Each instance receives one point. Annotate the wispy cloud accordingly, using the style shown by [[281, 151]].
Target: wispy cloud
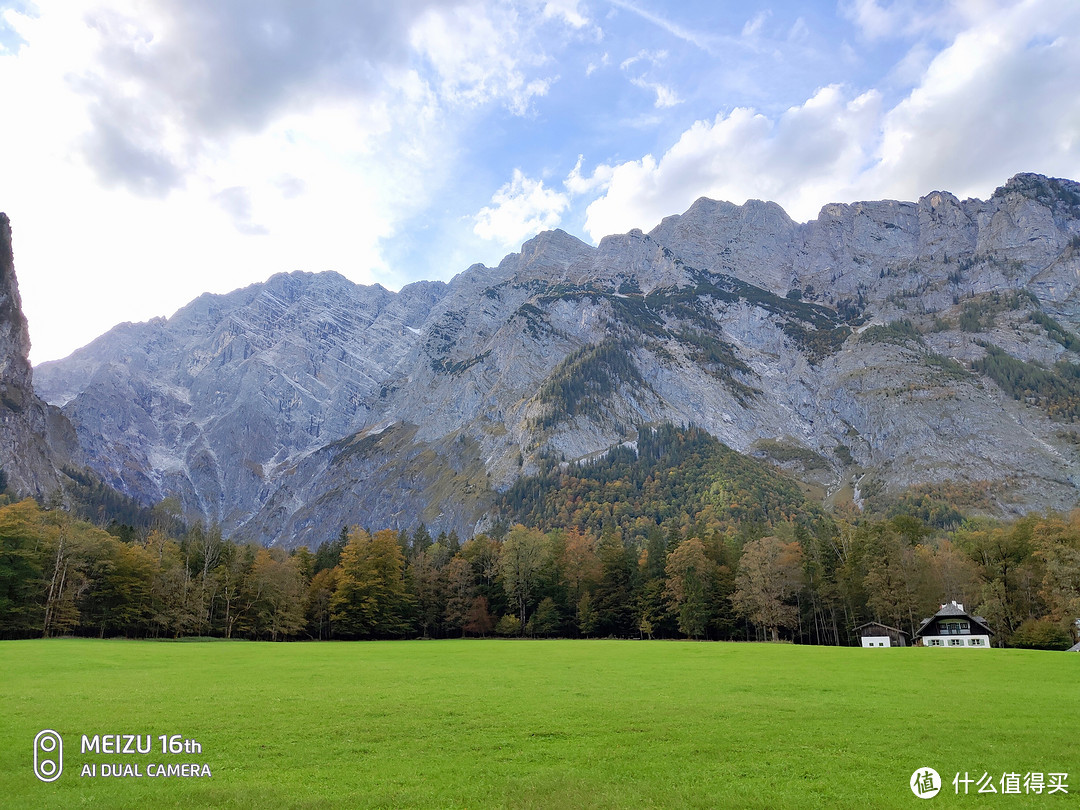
[[706, 43], [652, 57], [754, 25]]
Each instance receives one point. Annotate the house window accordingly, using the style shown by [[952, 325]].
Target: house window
[[976, 642], [934, 642], [956, 642]]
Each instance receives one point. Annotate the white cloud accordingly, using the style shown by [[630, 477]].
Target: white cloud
[[479, 57], [996, 101], [888, 19], [743, 155], [999, 100], [167, 83], [567, 10], [523, 94], [158, 202], [577, 184], [522, 208], [874, 21], [190, 146]]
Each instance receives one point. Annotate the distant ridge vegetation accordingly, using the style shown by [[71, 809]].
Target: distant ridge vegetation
[[1056, 390], [96, 502], [669, 476]]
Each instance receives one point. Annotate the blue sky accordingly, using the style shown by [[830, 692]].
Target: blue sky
[[152, 151]]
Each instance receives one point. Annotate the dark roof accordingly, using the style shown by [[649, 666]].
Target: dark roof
[[953, 611], [879, 624], [982, 623]]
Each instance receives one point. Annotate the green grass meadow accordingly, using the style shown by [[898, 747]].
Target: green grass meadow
[[544, 724]]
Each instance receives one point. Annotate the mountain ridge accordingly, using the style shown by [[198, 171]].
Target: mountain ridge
[[316, 402]]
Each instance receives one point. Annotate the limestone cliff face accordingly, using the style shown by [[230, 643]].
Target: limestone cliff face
[[15, 373], [34, 438], [210, 403], [843, 349]]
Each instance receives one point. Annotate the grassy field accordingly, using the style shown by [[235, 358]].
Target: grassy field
[[545, 724]]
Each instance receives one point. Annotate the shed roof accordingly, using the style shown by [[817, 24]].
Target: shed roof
[[879, 624]]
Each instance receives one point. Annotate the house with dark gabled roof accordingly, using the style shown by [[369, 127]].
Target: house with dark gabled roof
[[876, 634], [952, 626]]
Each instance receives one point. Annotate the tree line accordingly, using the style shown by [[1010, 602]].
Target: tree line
[[806, 583]]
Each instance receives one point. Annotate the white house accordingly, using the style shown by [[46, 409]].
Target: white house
[[952, 626]]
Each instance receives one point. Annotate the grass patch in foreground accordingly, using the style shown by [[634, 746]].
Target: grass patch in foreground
[[545, 724]]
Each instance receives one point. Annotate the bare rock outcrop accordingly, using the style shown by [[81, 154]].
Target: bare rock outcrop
[[35, 439]]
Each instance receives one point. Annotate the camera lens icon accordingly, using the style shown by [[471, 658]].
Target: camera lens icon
[[48, 755]]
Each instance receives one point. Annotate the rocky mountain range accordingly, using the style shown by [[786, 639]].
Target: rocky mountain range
[[882, 345]]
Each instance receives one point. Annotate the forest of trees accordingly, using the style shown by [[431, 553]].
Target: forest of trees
[[673, 535], [807, 583]]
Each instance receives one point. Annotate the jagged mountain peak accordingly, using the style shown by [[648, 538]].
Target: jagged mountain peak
[[548, 254], [939, 199], [617, 241], [753, 241], [1041, 188], [302, 282], [715, 213], [554, 240]]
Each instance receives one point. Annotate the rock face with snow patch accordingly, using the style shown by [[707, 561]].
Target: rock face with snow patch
[[846, 349]]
